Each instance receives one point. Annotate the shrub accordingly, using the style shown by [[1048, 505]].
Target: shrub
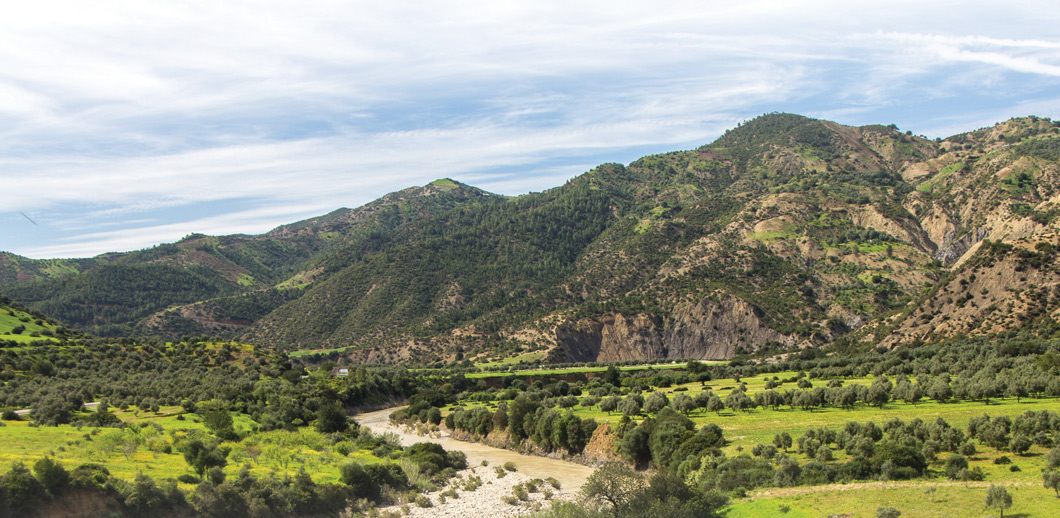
[[331, 418], [954, 464], [188, 478], [354, 475], [389, 474], [431, 457], [51, 475], [1020, 444], [95, 476], [887, 512], [510, 466], [143, 497], [472, 483], [457, 459]]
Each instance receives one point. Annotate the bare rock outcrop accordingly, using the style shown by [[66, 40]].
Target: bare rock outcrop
[[953, 248], [708, 329]]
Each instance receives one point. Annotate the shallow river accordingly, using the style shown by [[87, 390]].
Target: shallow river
[[570, 475]]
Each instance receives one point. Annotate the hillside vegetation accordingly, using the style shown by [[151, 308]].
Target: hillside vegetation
[[785, 233]]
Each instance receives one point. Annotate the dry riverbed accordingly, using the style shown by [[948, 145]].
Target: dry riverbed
[[570, 475], [486, 500]]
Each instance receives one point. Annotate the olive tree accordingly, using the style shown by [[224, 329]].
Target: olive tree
[[998, 498]]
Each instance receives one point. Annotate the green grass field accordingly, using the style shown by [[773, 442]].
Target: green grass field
[[580, 370], [143, 449], [307, 352], [11, 319], [948, 500], [743, 430]]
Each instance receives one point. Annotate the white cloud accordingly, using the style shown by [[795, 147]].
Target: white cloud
[[134, 106], [253, 221]]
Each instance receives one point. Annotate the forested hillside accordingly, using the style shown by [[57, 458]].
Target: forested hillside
[[786, 232], [207, 284]]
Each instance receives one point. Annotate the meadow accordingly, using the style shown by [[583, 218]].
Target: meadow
[[23, 328], [934, 495], [585, 369], [147, 445]]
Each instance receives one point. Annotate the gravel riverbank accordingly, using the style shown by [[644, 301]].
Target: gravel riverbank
[[487, 500]]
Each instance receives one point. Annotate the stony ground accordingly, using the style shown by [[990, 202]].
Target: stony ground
[[485, 501]]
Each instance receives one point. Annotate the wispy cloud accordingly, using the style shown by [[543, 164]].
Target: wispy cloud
[[1019, 55], [250, 221], [142, 110]]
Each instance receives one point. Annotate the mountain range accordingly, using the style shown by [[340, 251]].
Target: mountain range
[[786, 233]]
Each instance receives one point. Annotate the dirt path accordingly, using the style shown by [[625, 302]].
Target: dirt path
[[26, 411]]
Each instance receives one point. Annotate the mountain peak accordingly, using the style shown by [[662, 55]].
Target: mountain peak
[[445, 184], [764, 128]]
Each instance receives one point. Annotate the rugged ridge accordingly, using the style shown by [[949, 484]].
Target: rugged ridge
[[786, 232]]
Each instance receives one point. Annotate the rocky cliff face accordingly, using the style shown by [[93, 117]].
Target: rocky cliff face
[[706, 330], [710, 330], [611, 337], [954, 248]]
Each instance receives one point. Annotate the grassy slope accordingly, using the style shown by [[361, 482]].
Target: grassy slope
[[278, 452], [8, 322]]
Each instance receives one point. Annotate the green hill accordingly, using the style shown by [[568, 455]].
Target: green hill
[[786, 232], [19, 327], [209, 284]]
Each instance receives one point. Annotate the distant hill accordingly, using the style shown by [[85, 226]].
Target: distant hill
[[208, 284], [785, 232]]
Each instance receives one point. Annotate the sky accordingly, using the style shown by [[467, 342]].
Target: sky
[[126, 124]]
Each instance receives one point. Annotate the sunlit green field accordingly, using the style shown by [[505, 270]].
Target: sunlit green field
[[512, 360], [950, 499], [577, 370], [745, 429], [144, 449], [307, 352], [9, 322]]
